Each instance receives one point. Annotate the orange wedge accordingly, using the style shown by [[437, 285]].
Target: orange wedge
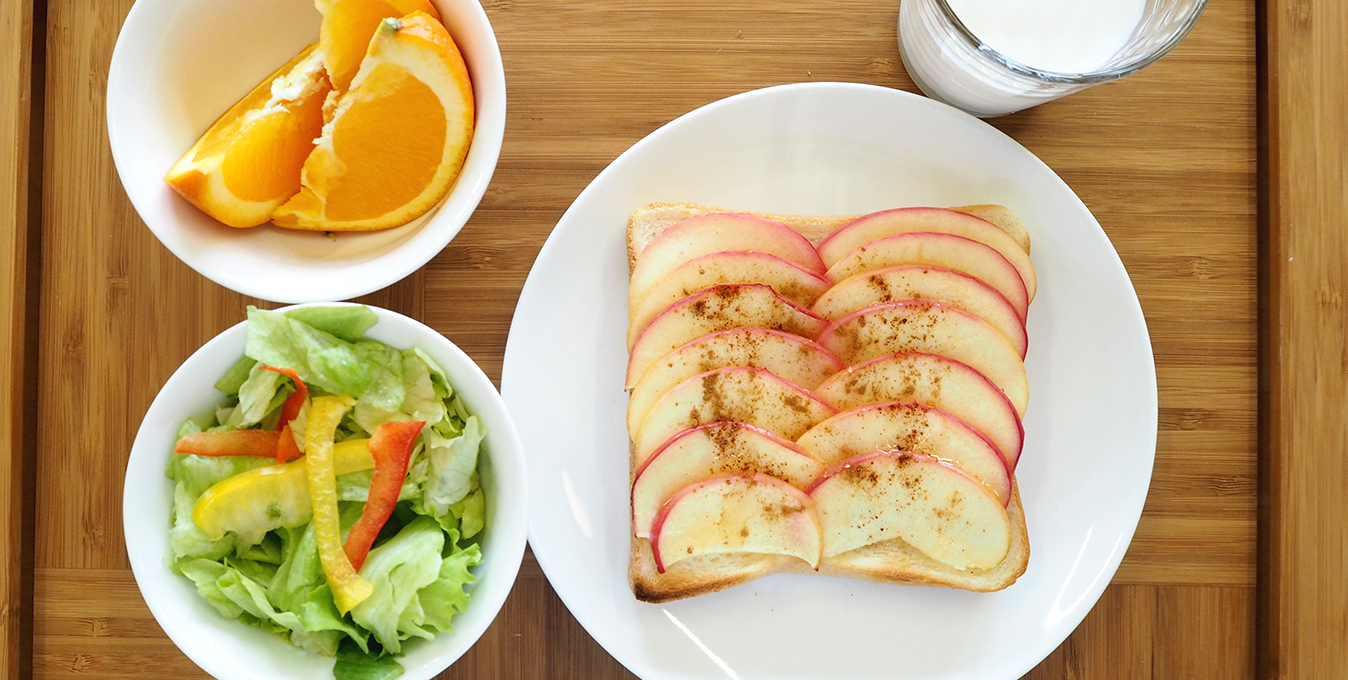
[[397, 138], [248, 163], [348, 26]]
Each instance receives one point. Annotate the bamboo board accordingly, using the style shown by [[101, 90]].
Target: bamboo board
[[1304, 386], [1166, 159], [16, 53]]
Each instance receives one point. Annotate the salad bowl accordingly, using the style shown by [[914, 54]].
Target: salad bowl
[[229, 649]]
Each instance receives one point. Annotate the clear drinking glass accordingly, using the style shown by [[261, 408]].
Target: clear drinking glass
[[951, 64]]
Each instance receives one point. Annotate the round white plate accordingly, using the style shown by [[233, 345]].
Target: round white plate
[[831, 148]]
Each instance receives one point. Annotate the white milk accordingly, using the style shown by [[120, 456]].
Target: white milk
[[1065, 36]]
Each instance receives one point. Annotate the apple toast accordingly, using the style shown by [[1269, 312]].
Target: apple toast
[[826, 394]]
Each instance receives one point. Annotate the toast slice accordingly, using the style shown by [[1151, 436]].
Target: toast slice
[[892, 561]]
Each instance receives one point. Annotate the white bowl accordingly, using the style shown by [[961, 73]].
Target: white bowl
[[179, 64], [231, 650]]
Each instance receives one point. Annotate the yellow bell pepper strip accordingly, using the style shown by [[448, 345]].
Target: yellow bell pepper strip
[[232, 443], [325, 413], [262, 499], [286, 448], [391, 448], [295, 401]]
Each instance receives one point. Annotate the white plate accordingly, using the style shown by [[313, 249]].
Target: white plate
[[832, 148], [179, 64]]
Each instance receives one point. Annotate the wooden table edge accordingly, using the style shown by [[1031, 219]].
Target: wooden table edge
[[20, 183], [1303, 511]]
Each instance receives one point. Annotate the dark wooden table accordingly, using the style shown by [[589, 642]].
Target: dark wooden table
[[1220, 175]]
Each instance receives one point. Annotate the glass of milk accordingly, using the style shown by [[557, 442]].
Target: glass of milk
[[993, 57]]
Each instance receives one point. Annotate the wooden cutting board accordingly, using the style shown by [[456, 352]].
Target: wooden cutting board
[[98, 314]]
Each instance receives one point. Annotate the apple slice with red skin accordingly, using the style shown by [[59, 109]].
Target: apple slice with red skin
[[929, 503], [878, 225], [936, 381], [715, 449], [791, 357], [718, 308], [734, 514], [715, 233], [917, 428], [938, 250], [931, 328], [788, 280], [917, 282], [746, 395]]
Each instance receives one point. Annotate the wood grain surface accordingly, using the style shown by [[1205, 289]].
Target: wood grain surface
[[16, 53], [1166, 160], [1304, 400]]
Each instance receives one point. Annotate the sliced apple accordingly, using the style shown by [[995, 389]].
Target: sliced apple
[[746, 395], [916, 428], [715, 449], [791, 357], [936, 381], [938, 250], [930, 328], [868, 228], [790, 281], [715, 233], [916, 282], [718, 308], [928, 503], [734, 514]]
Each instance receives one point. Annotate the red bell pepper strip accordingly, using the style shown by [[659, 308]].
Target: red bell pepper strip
[[232, 443], [295, 401], [391, 448], [286, 448]]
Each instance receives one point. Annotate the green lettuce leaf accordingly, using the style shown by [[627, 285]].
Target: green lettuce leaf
[[347, 322], [237, 373], [441, 600], [451, 465], [365, 369], [398, 569], [355, 664], [471, 511], [420, 401], [256, 396], [237, 596], [300, 586]]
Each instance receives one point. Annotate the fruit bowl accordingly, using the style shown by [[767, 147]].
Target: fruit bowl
[[179, 64], [232, 650]]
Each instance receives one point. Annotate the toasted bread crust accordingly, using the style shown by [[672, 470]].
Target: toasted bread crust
[[891, 562], [695, 576]]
